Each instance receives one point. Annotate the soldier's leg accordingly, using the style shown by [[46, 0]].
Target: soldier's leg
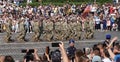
[[34, 36], [60, 35], [38, 36], [7, 38], [44, 35], [90, 36], [76, 35], [50, 35], [83, 34], [54, 35], [21, 37], [63, 35], [79, 35]]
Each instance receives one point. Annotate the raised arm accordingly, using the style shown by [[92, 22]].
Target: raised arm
[[63, 52]]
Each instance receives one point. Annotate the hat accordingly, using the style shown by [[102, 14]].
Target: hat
[[108, 36], [96, 59], [71, 41]]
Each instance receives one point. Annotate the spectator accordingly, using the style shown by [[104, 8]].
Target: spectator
[[96, 57], [106, 57], [8, 59], [108, 39], [2, 58], [114, 57], [31, 55]]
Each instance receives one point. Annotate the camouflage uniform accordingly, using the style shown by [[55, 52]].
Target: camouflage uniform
[[36, 29], [89, 33], [91, 29], [57, 31], [8, 26], [64, 30], [72, 30], [22, 31], [88, 30], [68, 36], [48, 33], [44, 29], [78, 30]]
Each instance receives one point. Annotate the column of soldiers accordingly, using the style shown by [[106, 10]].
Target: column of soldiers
[[56, 28]]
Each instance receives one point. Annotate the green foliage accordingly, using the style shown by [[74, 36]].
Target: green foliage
[[62, 2]]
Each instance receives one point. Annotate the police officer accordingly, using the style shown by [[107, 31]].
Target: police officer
[[71, 50]]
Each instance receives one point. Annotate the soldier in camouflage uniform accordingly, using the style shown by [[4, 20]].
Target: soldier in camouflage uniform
[[89, 31], [57, 30], [68, 36], [72, 30], [22, 31], [83, 32], [78, 30], [64, 30], [36, 30], [48, 30], [8, 26]]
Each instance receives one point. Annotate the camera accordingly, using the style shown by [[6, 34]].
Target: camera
[[55, 44], [25, 51]]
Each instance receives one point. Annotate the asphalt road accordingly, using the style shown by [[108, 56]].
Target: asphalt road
[[14, 48], [97, 36]]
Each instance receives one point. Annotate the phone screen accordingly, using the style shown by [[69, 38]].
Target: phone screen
[[24, 50], [55, 44], [31, 50]]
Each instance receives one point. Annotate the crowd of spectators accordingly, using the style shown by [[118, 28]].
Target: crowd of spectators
[[105, 17], [106, 51], [102, 17]]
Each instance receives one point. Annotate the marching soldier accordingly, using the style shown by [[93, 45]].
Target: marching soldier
[[91, 28], [71, 28], [64, 30], [44, 29], [8, 26], [57, 32], [78, 30], [48, 27], [89, 33], [36, 30], [88, 30], [22, 31], [68, 30]]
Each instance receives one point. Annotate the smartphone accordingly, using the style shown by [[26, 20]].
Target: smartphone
[[31, 50], [24, 50], [55, 44], [47, 50]]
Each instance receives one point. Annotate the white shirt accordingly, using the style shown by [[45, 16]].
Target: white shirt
[[106, 60]]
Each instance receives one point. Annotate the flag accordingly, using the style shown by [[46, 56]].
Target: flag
[[86, 10]]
